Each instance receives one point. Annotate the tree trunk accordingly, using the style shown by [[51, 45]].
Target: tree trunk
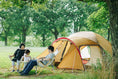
[[31, 2], [5, 39], [43, 35], [79, 28], [113, 10], [108, 38], [75, 28], [24, 37], [20, 38], [5, 33], [56, 35]]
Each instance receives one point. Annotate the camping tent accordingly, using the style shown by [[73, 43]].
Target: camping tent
[[69, 56], [91, 55]]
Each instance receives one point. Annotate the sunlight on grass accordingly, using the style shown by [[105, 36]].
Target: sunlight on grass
[[104, 71], [11, 74], [7, 74], [65, 76], [5, 51]]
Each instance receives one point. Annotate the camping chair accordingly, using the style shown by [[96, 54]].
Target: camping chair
[[50, 63], [10, 60], [11, 66]]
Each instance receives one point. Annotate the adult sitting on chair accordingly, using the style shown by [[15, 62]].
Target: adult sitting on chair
[[40, 61]]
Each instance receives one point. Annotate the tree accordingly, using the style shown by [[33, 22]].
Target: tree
[[5, 16], [22, 22], [40, 27], [57, 22], [98, 21], [78, 13], [112, 8]]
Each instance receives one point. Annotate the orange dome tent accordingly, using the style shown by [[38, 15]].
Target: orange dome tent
[[69, 56]]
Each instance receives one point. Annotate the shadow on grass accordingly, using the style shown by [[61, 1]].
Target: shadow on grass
[[7, 74], [1, 73], [58, 74], [31, 73], [42, 72]]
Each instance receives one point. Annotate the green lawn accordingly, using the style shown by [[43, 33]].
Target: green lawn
[[5, 51], [5, 65]]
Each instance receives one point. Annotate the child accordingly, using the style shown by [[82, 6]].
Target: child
[[33, 63], [27, 57]]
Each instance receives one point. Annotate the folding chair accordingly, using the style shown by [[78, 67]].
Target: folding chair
[[50, 63], [11, 66]]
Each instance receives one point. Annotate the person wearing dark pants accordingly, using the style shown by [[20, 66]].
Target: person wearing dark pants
[[29, 67], [40, 61]]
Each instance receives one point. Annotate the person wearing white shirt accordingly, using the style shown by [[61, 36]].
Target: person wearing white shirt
[[26, 57], [44, 60]]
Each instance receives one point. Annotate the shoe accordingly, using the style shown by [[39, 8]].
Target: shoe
[[22, 74], [20, 71], [17, 70], [13, 70]]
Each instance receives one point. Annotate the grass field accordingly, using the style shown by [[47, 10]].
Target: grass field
[[5, 65], [6, 51]]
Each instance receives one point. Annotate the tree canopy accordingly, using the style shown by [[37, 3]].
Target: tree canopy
[[48, 20]]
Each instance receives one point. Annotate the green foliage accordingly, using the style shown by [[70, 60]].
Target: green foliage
[[98, 21], [77, 14], [50, 20], [40, 28], [16, 21], [97, 1], [40, 1], [6, 27], [43, 21], [5, 4], [21, 22], [59, 14], [98, 65]]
